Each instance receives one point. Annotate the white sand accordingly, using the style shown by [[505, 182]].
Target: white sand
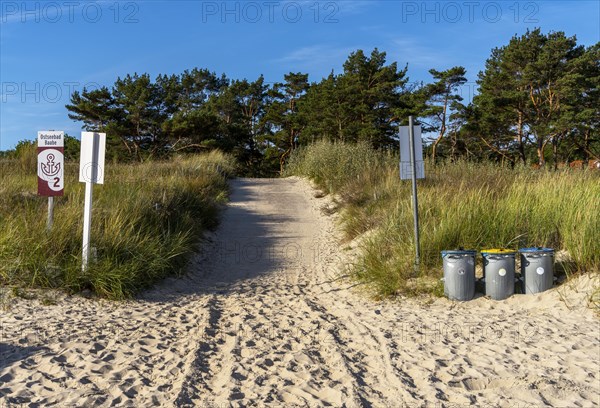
[[263, 319]]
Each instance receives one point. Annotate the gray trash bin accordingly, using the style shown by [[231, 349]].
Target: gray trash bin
[[499, 273], [459, 274], [537, 269]]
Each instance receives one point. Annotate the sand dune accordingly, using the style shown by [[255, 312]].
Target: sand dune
[[265, 318]]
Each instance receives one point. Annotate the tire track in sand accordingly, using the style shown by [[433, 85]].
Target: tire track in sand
[[275, 336]]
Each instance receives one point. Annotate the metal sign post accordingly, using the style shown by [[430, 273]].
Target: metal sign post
[[411, 142], [51, 168], [50, 219], [87, 225], [91, 171], [412, 167]]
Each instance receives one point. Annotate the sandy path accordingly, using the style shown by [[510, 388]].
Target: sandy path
[[262, 319]]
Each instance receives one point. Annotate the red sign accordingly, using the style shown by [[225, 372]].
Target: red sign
[[51, 163]]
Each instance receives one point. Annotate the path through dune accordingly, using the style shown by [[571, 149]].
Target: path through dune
[[266, 318]]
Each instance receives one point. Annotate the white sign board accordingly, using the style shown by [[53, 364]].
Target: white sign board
[[51, 163], [405, 167], [91, 163]]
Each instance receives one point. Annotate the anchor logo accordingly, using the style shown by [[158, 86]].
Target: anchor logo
[[50, 168]]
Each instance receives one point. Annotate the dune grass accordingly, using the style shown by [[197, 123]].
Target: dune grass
[[146, 220], [462, 204]]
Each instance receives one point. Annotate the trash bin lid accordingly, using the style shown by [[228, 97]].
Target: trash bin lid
[[498, 251], [459, 252], [534, 250]]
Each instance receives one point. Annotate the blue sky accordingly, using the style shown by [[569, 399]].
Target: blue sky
[[50, 48]]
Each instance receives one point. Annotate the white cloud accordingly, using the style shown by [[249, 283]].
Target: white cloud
[[417, 54], [316, 59]]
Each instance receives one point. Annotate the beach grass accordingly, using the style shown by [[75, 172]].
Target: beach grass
[[147, 218]]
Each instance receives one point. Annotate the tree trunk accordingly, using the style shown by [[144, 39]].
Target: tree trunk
[[520, 139], [453, 147], [126, 146], [541, 144], [434, 147], [136, 149], [442, 129], [540, 154], [555, 152], [282, 161], [586, 144]]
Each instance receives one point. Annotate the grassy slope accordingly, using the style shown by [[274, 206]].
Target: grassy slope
[[461, 205], [146, 219]]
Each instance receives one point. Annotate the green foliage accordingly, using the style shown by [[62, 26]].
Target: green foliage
[[441, 101], [537, 100], [94, 108], [72, 149], [26, 153], [147, 219], [462, 204], [282, 117], [259, 124], [361, 104]]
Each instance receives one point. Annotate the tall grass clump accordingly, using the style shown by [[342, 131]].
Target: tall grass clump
[[463, 204], [146, 220], [334, 165]]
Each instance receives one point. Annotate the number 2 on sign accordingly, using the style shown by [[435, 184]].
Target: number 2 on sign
[[56, 181]]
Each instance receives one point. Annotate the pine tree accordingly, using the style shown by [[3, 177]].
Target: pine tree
[[442, 99], [520, 91], [94, 108], [282, 116]]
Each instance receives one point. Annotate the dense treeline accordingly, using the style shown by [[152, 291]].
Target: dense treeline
[[537, 102], [260, 123]]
